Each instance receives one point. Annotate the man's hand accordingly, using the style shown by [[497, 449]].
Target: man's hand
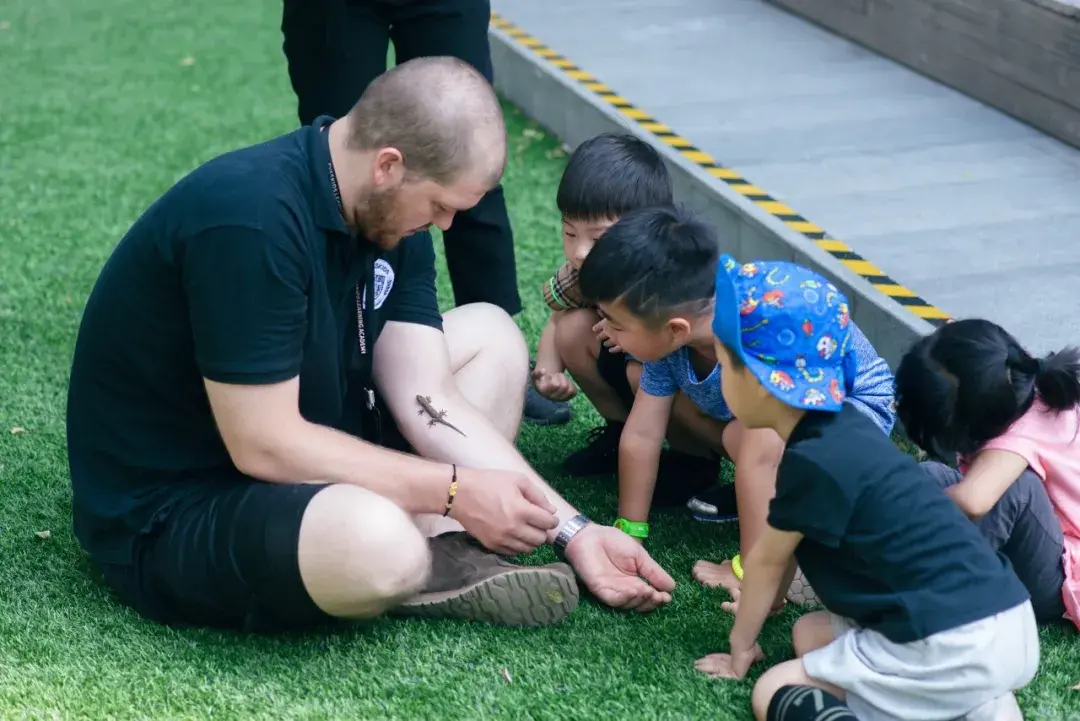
[[553, 386], [730, 665], [617, 570], [503, 510], [602, 335]]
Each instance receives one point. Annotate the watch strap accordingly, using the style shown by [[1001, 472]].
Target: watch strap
[[570, 529]]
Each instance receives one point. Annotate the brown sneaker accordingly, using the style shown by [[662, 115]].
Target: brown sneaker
[[470, 583]]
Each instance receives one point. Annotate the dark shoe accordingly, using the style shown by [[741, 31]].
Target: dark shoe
[[600, 456], [470, 583], [716, 504], [543, 411], [681, 476]]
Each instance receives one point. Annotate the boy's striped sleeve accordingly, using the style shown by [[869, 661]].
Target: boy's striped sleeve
[[561, 292]]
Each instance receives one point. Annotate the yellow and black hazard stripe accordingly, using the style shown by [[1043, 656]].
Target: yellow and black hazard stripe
[[836, 248]]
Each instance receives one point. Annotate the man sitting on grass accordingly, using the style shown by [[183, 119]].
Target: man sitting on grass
[[261, 356]]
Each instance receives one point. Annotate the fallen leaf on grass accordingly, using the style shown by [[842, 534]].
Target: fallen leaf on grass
[[43, 534], [1076, 687], [187, 61], [532, 133], [506, 675], [17, 430]]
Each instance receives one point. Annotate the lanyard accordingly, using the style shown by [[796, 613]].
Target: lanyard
[[366, 282]]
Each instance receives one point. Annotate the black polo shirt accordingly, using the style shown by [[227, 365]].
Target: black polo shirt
[[243, 272], [883, 544]]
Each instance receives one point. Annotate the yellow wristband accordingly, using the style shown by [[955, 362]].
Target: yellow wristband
[[736, 566]]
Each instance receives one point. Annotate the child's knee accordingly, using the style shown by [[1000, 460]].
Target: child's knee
[[789, 673], [812, 631], [575, 339]]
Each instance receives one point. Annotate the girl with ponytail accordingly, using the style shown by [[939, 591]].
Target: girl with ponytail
[[970, 393]]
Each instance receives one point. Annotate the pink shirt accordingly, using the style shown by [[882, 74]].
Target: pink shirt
[[1051, 445]]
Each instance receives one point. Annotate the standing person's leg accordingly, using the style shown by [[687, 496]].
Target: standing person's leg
[[334, 49], [1023, 526], [480, 243]]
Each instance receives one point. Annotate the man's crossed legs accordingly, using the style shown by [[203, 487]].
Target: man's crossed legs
[[264, 556]]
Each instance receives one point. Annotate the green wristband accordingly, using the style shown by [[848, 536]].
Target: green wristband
[[637, 529]]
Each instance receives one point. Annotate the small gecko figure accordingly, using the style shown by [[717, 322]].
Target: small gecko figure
[[436, 415]]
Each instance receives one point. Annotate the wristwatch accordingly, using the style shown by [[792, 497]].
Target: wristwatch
[[637, 529], [570, 529]]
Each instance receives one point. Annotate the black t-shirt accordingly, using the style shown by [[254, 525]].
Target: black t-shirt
[[243, 272], [883, 544]]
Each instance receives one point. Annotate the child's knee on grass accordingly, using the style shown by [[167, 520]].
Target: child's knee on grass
[[789, 673]]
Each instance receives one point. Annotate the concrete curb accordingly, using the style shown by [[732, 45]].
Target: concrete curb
[[573, 114]]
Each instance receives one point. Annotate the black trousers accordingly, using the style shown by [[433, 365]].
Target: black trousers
[[334, 48]]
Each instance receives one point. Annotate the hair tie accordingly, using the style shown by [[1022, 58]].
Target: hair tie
[[1040, 366]]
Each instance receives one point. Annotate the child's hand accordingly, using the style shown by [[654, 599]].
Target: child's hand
[[730, 665], [553, 386], [721, 574], [604, 338], [716, 575]]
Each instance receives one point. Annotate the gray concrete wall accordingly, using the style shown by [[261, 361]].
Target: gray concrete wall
[[574, 114], [1020, 56]]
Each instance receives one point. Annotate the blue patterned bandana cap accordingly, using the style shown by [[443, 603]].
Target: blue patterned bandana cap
[[790, 326]]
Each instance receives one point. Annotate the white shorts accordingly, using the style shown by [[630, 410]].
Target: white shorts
[[938, 678]]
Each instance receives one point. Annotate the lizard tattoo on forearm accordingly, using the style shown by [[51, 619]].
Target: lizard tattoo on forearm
[[436, 415]]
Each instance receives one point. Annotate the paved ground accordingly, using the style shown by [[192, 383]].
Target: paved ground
[[971, 209]]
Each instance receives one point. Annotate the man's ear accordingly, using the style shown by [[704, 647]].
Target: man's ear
[[388, 167]]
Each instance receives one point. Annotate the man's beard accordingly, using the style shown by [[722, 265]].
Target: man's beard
[[377, 218]]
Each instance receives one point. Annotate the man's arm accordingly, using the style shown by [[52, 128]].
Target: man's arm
[[412, 359], [247, 292], [268, 439]]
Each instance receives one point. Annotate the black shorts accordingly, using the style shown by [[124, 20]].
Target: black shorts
[[228, 556], [612, 368]]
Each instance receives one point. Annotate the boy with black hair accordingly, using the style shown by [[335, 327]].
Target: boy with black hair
[[605, 177], [924, 620], [652, 276]]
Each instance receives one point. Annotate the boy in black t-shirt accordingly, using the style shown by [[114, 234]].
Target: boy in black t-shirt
[[924, 620]]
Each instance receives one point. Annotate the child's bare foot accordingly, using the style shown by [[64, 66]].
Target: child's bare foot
[[716, 575]]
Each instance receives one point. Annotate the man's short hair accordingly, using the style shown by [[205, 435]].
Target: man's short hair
[[440, 113], [609, 175]]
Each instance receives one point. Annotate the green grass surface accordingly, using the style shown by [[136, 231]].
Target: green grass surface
[[103, 106]]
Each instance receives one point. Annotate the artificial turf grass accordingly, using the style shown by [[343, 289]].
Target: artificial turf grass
[[103, 108]]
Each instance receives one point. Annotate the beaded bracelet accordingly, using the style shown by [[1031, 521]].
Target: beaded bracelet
[[452, 492]]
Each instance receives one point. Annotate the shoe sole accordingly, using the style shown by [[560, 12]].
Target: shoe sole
[[524, 597], [559, 420], [706, 518]]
